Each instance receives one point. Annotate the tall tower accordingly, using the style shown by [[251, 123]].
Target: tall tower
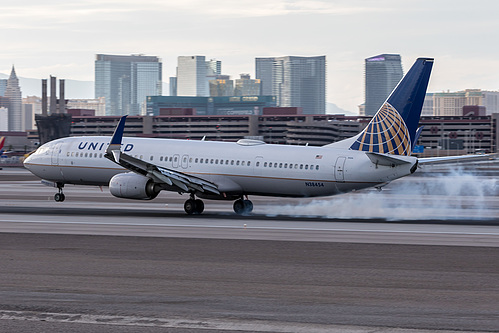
[[13, 93], [295, 81], [192, 77], [126, 81], [383, 72]]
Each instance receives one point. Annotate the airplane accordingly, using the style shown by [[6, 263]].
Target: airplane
[[140, 168]]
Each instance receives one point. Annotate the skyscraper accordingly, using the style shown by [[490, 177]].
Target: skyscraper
[[221, 85], [3, 86], [126, 81], [245, 86], [383, 72], [192, 77], [214, 67], [295, 81], [14, 96]]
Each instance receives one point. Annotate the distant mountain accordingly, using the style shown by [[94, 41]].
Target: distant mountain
[[332, 108], [74, 89]]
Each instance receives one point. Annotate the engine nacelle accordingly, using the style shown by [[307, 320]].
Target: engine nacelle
[[132, 186]]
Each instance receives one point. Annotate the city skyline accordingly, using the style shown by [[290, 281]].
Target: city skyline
[[60, 39]]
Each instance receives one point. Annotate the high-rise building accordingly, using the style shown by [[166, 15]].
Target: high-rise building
[[173, 86], [383, 72], [14, 96], [126, 81], [98, 105], [295, 81], [245, 86], [213, 67], [427, 105], [192, 77], [3, 86], [452, 103], [4, 119], [490, 101], [221, 85], [33, 103]]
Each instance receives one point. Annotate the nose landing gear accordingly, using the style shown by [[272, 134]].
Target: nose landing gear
[[59, 197]]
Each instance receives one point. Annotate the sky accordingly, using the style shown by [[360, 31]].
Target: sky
[[61, 38]]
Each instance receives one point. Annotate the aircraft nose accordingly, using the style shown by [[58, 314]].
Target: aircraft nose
[[28, 161]]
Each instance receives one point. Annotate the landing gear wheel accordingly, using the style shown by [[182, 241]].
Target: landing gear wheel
[[243, 207], [59, 197], [199, 206], [194, 206], [190, 206]]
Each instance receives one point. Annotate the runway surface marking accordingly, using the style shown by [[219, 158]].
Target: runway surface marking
[[205, 324], [261, 228]]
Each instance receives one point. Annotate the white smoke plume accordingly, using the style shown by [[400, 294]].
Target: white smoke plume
[[456, 194]]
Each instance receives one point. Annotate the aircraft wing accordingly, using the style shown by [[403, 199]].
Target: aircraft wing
[[183, 181], [456, 159]]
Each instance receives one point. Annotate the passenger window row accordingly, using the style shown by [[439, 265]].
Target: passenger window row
[[216, 161], [82, 154], [289, 166]]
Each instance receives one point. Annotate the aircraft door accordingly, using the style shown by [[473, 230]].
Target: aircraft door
[[258, 165], [176, 160], [339, 169], [185, 161], [56, 151]]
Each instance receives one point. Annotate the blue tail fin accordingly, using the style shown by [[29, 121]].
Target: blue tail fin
[[393, 128]]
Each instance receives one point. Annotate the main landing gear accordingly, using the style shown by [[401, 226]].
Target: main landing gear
[[194, 206], [59, 197], [243, 206]]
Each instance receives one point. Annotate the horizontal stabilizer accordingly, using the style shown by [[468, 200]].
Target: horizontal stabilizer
[[384, 159], [456, 159]]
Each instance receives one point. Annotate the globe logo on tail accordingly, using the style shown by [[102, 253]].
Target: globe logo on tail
[[387, 133]]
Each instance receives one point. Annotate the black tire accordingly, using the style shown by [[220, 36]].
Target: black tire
[[190, 206], [199, 206], [59, 197]]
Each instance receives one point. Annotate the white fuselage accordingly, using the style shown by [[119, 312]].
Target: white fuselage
[[243, 168]]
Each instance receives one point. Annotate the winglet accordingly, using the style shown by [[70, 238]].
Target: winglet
[[416, 138], [115, 144], [2, 142]]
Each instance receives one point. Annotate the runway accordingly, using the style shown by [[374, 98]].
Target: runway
[[97, 263]]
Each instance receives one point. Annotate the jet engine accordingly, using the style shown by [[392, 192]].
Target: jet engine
[[133, 186]]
